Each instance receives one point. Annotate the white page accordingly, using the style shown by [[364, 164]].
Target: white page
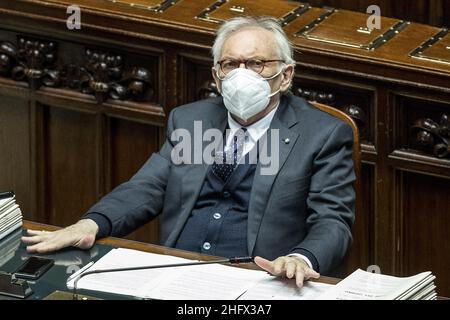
[[209, 282], [10, 222], [362, 285], [6, 213], [426, 291], [190, 282], [128, 282], [17, 224], [9, 248], [275, 288], [5, 202], [11, 218], [431, 296], [417, 287]]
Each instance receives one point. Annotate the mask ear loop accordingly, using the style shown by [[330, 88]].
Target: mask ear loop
[[274, 76], [217, 75], [219, 88]]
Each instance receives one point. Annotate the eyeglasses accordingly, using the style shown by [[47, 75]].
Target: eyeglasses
[[256, 65]]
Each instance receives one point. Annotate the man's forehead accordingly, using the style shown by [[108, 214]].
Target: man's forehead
[[252, 42]]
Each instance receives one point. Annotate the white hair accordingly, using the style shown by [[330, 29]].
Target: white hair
[[285, 51]]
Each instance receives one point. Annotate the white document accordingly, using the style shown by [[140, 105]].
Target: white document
[[363, 285], [275, 288], [205, 282], [10, 220], [6, 202]]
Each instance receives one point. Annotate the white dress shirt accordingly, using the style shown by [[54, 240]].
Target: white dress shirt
[[255, 132]]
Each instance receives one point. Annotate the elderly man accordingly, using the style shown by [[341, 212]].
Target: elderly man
[[295, 219]]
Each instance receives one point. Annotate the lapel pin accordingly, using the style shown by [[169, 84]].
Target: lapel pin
[[286, 140]]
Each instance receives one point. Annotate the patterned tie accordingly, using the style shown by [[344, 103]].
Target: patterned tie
[[226, 161]]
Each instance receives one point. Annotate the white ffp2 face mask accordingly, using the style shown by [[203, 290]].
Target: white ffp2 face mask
[[246, 93]]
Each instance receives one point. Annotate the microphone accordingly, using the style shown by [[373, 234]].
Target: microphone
[[234, 260]]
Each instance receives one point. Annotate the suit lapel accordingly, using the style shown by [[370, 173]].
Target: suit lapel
[[283, 120]]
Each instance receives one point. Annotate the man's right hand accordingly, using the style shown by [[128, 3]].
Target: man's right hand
[[81, 235]]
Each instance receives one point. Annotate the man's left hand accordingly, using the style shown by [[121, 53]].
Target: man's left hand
[[288, 267]]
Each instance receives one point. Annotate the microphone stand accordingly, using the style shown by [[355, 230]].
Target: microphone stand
[[235, 260]]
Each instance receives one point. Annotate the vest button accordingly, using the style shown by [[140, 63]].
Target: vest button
[[207, 246], [217, 216], [226, 194]]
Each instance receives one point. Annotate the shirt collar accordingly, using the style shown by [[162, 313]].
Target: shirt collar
[[255, 130]]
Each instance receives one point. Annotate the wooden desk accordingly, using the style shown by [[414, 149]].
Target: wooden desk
[[130, 244], [152, 248]]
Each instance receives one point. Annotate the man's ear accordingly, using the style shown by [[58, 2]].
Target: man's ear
[[216, 79], [288, 75]]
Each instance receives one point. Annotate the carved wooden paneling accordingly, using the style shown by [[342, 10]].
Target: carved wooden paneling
[[355, 100], [57, 97], [432, 136], [105, 74], [423, 126], [31, 60]]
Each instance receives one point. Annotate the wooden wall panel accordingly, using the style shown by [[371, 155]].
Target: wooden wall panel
[[363, 230], [425, 224], [195, 74], [71, 167], [131, 144], [15, 151]]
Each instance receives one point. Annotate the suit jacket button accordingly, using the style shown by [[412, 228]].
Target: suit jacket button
[[206, 246], [226, 194]]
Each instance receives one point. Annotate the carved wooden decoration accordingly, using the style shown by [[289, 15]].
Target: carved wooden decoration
[[433, 137], [31, 60], [359, 116], [101, 75], [208, 90], [328, 98]]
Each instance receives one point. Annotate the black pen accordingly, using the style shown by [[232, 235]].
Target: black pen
[[7, 194]]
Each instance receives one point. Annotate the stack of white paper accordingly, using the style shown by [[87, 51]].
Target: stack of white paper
[[219, 282], [10, 216], [204, 282], [276, 288], [363, 285]]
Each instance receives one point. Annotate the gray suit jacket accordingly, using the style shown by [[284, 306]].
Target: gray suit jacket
[[308, 205]]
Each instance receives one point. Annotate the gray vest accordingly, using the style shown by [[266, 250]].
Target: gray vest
[[218, 222]]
